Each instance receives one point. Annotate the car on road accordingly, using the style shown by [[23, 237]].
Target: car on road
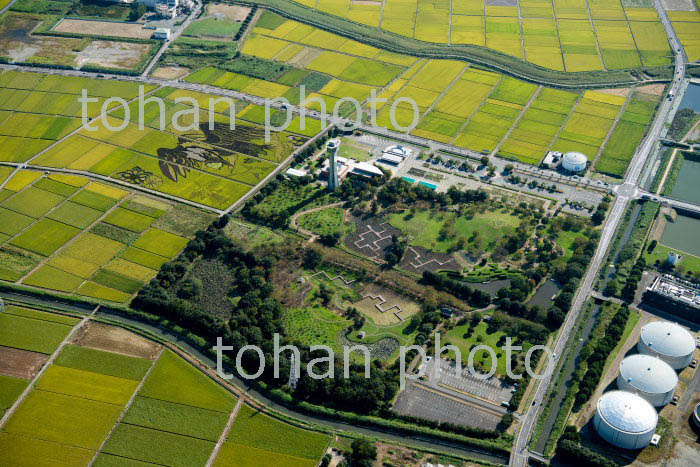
[[694, 364], [675, 400]]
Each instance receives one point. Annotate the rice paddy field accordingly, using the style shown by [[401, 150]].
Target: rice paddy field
[[565, 35], [107, 407], [211, 166], [457, 103], [68, 234], [687, 26]]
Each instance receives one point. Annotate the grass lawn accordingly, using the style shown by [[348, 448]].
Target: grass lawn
[[660, 254], [175, 380], [314, 326], [64, 419], [106, 363], [209, 27], [629, 327], [351, 150], [31, 334], [158, 446], [456, 337], [176, 418], [258, 430], [86, 384], [424, 227], [323, 222]]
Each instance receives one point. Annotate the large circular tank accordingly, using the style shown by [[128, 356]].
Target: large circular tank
[[696, 416], [574, 162], [670, 342], [625, 419], [649, 377]]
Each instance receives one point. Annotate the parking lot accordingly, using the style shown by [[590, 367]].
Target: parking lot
[[421, 401], [492, 390]]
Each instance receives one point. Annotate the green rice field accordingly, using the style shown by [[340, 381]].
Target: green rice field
[[565, 35], [93, 239], [76, 412]]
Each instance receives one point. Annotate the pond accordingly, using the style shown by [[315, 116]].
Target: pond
[[682, 235], [490, 287], [543, 296], [691, 98], [687, 187]]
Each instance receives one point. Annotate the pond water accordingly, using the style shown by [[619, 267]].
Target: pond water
[[691, 98], [683, 234], [490, 287], [687, 187], [543, 296]]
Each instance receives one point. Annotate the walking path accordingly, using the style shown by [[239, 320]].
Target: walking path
[[309, 233], [224, 434]]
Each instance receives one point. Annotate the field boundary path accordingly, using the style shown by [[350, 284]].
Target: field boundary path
[[249, 29], [224, 434], [7, 7], [48, 363], [126, 408]]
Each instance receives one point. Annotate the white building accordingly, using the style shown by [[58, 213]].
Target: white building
[[625, 419], [674, 258], [398, 151], [574, 162], [552, 160], [345, 167], [670, 342], [649, 377], [162, 34], [296, 172], [391, 159]]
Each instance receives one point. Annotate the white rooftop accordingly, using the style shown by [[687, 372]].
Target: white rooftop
[[296, 172], [627, 412], [648, 374], [668, 339]]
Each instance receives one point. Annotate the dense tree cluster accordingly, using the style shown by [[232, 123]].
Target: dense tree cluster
[[459, 289], [254, 321], [596, 357], [635, 275], [398, 190], [570, 449]]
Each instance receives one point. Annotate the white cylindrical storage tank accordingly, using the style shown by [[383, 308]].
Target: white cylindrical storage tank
[[649, 377], [574, 162], [670, 342], [625, 419], [696, 416]]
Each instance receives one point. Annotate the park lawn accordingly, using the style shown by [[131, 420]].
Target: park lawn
[[161, 243], [106, 363], [10, 389], [86, 384], [75, 214], [174, 380], [314, 326], [25, 451], [660, 256], [237, 455], [480, 337], [129, 220], [324, 222], [253, 428], [212, 27], [64, 419], [158, 447], [40, 315], [176, 418], [424, 227], [31, 334], [33, 202]]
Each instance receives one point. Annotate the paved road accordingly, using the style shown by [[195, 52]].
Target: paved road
[[626, 191]]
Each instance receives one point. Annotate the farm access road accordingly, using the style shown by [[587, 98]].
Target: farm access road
[[625, 192]]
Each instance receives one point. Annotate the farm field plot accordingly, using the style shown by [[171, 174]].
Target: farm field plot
[[214, 167], [261, 431], [686, 24], [174, 380], [102, 362], [10, 389], [581, 36], [103, 28], [31, 334], [98, 240]]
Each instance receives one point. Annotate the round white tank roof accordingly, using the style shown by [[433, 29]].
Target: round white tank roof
[[575, 158], [668, 338], [648, 374], [627, 412]]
